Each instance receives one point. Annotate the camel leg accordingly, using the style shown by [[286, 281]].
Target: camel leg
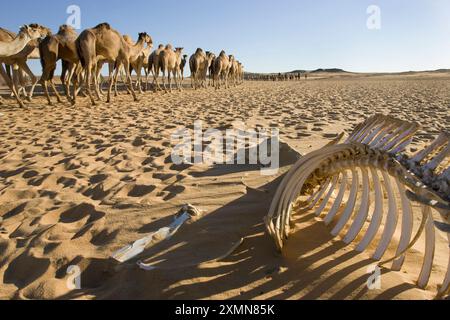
[[163, 79], [180, 81], [47, 95], [146, 79], [139, 75], [23, 65], [10, 85], [130, 80], [112, 82], [88, 79], [68, 81], [65, 67], [155, 78], [58, 97], [169, 79], [177, 80]]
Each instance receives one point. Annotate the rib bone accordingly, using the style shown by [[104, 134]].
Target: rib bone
[[372, 149]]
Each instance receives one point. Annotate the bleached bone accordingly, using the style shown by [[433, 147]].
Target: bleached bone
[[358, 172], [129, 252]]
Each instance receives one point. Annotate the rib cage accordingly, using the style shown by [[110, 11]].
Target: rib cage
[[371, 164]]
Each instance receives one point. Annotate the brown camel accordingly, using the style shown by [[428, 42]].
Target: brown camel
[[221, 68], [170, 61], [182, 66], [197, 63], [138, 52], [103, 43], [154, 65], [53, 48]]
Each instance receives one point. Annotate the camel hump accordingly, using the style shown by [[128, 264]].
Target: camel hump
[[128, 39], [103, 25]]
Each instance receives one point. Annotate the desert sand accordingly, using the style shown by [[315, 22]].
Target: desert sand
[[78, 183]]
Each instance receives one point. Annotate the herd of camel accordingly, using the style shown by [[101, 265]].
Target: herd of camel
[[294, 76], [83, 56]]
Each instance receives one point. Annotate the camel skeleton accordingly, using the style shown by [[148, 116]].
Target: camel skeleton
[[371, 155]]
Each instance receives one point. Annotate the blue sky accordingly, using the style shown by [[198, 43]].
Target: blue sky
[[272, 35]]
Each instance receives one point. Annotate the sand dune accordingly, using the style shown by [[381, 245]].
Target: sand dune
[[76, 184]]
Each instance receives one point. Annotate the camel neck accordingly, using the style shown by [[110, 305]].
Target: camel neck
[[11, 48]]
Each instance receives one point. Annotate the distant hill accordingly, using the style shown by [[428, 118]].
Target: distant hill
[[333, 70]]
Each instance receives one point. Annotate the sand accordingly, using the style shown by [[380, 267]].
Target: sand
[[78, 183]]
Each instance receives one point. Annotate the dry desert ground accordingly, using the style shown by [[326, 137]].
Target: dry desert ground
[[78, 183]]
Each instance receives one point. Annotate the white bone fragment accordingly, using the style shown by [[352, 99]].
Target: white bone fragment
[[328, 196], [131, 251], [337, 203], [433, 164], [407, 227], [377, 215], [430, 241], [421, 155], [363, 212], [391, 221], [350, 205]]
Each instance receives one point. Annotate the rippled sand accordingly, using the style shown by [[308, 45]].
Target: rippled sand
[[78, 183]]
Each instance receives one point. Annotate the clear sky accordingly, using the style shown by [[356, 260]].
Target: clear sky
[[271, 35]]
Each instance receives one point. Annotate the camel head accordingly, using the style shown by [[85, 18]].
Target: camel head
[[145, 37], [178, 51], [66, 29], [34, 31], [169, 47], [231, 57], [161, 46], [185, 56]]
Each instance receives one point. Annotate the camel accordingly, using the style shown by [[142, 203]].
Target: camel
[[9, 42], [142, 63], [196, 63], [154, 65], [233, 71], [183, 65], [200, 63], [211, 70], [19, 63], [103, 43], [170, 61], [26, 34], [139, 54], [53, 48], [221, 68]]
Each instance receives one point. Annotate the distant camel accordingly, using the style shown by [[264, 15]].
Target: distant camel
[[142, 63], [170, 61], [211, 69], [136, 54], [221, 68], [154, 65], [53, 48], [183, 65], [197, 62], [103, 42], [233, 71]]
